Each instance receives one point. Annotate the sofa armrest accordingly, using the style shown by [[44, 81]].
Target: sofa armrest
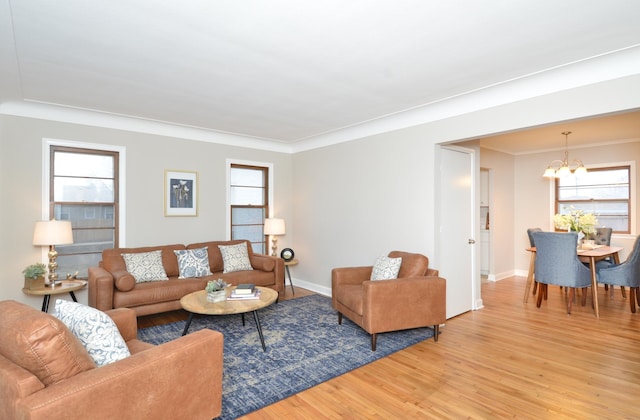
[[263, 262], [408, 301], [126, 321], [149, 384], [270, 264], [101, 284], [15, 383]]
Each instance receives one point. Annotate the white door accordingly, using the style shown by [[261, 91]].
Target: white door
[[457, 262]]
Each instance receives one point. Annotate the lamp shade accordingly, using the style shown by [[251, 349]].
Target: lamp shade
[[52, 232], [274, 227]]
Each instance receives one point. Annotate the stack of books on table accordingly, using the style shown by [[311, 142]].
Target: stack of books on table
[[244, 292]]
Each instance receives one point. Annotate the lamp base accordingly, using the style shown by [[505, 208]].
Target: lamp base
[[274, 247]]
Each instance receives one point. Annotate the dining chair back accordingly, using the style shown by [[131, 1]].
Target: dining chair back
[[603, 236], [530, 232], [557, 263], [625, 274]]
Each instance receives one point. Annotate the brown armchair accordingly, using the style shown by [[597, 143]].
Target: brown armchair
[[45, 372], [417, 298]]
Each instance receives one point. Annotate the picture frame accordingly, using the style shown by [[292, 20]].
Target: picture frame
[[180, 193]]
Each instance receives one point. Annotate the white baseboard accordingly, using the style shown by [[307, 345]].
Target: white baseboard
[[322, 290], [505, 275]]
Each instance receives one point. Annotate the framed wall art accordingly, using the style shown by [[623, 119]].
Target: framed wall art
[[180, 193]]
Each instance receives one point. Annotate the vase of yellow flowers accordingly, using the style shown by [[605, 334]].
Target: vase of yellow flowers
[[576, 221]]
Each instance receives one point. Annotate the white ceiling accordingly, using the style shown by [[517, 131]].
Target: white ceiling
[[289, 70]]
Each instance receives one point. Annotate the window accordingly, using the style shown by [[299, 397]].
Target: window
[[83, 188], [249, 201], [603, 191]]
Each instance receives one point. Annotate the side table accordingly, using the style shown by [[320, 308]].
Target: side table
[[286, 266], [64, 286]]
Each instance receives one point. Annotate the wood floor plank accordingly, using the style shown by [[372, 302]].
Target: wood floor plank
[[507, 360]]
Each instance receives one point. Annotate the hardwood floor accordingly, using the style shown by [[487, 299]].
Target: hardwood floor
[[508, 360]]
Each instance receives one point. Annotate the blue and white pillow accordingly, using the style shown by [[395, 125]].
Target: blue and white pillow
[[145, 266], [95, 330], [235, 257], [386, 268], [193, 262]]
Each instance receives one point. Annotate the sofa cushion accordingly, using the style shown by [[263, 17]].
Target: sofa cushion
[[386, 268], [113, 261], [149, 293], [96, 331], [193, 262], [235, 257], [215, 256], [40, 343], [145, 266]]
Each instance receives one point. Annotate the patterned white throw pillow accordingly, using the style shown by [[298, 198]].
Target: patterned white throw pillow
[[193, 262], [386, 268], [235, 257], [97, 332], [145, 266]]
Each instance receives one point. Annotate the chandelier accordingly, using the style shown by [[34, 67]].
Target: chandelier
[[560, 168]]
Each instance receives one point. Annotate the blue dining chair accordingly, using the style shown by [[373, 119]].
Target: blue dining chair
[[625, 274], [603, 237], [533, 283], [557, 263]]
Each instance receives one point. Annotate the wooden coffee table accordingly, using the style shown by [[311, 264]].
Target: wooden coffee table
[[196, 303]]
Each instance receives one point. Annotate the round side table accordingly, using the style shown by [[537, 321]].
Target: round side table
[[64, 286]]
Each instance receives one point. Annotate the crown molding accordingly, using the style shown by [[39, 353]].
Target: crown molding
[[605, 67], [58, 113]]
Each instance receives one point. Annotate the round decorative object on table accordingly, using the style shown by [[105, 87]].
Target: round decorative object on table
[[287, 254]]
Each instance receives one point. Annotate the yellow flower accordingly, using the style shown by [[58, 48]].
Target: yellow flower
[[577, 221]]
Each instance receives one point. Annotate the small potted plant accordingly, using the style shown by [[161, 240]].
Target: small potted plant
[[34, 276], [216, 290]]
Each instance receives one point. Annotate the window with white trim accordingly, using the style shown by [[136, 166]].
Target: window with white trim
[[249, 201], [83, 188], [606, 192]]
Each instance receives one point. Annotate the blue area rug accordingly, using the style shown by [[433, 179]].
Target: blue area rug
[[305, 347]]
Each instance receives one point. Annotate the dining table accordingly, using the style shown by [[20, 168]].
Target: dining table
[[587, 255]]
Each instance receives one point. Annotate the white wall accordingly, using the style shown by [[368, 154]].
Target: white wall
[[357, 200], [344, 204], [21, 143], [502, 209]]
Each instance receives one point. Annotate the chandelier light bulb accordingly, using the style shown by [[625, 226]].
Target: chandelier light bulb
[[560, 167]]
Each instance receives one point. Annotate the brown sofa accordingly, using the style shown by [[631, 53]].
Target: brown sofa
[[111, 286], [46, 373], [417, 298]]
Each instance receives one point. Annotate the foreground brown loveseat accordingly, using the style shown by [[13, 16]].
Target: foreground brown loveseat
[[46, 373], [417, 298], [111, 286]]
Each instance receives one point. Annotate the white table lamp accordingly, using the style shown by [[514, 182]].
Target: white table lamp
[[51, 233], [274, 227]]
